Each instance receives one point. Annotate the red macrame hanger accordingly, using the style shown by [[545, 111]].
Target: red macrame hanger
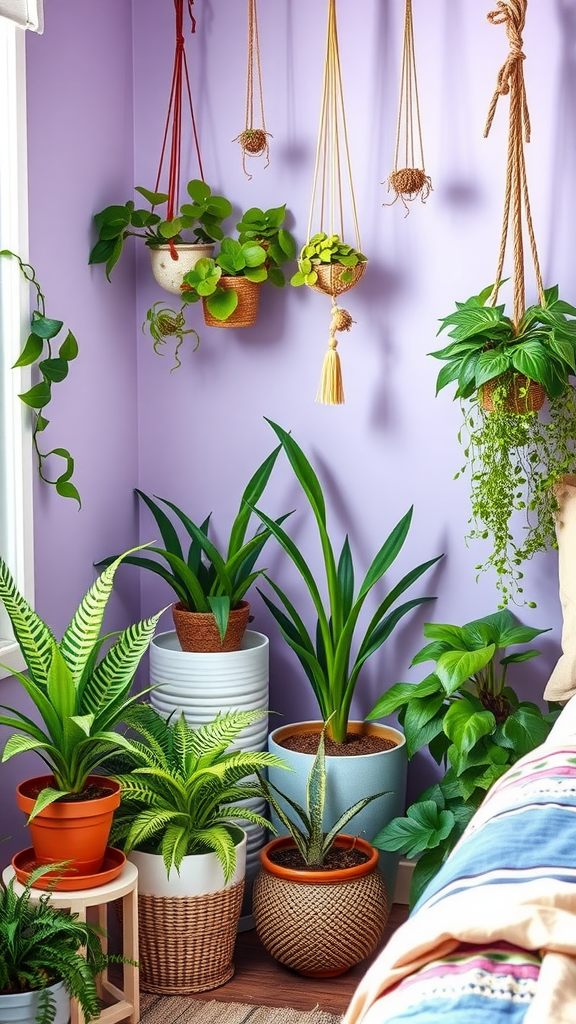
[[180, 78]]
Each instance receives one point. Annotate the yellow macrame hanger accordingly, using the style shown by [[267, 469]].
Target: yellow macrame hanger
[[409, 180], [253, 140], [332, 166]]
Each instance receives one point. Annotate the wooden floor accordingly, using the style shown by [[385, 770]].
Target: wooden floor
[[260, 979]]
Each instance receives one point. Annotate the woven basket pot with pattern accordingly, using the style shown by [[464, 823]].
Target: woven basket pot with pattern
[[320, 923], [246, 311], [330, 277], [197, 631], [520, 395]]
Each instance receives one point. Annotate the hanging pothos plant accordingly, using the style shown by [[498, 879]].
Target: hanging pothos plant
[[506, 366], [52, 365]]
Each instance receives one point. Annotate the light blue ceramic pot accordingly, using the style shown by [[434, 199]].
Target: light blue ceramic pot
[[348, 779]]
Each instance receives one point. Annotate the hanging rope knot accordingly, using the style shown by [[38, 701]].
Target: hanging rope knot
[[180, 42], [511, 13], [332, 342]]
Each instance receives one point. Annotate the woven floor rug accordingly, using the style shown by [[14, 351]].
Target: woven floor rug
[[185, 1010]]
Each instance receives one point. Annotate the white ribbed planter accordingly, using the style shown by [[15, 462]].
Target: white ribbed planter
[[168, 272], [22, 1007], [201, 685], [199, 875]]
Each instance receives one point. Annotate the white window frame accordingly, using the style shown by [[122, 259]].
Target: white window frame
[[16, 528]]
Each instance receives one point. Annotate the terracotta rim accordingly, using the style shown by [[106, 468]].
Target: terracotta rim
[[68, 808], [363, 728], [342, 842]]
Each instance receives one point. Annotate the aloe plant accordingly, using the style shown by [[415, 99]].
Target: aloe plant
[[204, 579], [80, 699], [312, 842], [328, 660], [180, 789]]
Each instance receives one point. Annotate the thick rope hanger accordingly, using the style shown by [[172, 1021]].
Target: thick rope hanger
[[180, 83], [512, 14], [254, 141], [409, 180]]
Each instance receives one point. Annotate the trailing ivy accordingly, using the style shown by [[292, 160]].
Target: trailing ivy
[[39, 352]]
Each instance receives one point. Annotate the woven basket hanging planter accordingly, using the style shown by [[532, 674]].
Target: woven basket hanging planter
[[330, 281], [197, 631], [246, 311], [254, 139], [517, 395], [320, 923]]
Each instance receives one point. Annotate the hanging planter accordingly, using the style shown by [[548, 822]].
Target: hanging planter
[[170, 263], [254, 140], [505, 366], [409, 180], [327, 262], [245, 295]]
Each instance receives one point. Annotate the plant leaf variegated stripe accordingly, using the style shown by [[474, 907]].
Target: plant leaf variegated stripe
[[181, 792], [80, 699], [328, 660]]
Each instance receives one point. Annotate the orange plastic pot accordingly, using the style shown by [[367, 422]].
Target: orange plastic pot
[[71, 830], [301, 916]]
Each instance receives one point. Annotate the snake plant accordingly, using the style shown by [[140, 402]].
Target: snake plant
[[79, 695]]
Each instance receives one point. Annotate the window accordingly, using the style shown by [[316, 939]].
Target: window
[[15, 427]]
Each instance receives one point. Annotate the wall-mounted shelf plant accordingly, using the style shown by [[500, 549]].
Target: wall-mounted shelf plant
[[506, 366], [52, 366]]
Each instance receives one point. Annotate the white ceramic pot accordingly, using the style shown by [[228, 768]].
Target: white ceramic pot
[[199, 874], [22, 1007], [349, 779], [169, 273]]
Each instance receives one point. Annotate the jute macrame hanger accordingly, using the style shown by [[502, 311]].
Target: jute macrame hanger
[[512, 14], [409, 180], [254, 141], [180, 84], [332, 150]]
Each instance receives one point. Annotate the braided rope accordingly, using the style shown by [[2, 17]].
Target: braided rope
[[510, 81]]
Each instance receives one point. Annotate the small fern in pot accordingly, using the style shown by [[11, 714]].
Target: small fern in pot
[[514, 455]]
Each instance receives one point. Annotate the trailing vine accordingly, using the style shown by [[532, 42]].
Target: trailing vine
[[515, 461], [38, 352]]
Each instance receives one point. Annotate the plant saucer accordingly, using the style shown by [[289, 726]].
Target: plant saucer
[[25, 862]]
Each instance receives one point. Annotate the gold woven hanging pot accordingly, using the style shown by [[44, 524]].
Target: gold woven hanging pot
[[254, 140], [246, 311]]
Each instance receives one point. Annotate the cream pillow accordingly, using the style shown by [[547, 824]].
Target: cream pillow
[[562, 683]]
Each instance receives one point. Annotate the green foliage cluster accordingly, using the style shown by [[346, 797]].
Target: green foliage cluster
[[327, 657], [471, 721], [203, 216], [325, 249], [79, 696], [180, 792], [41, 945], [514, 461], [488, 344], [311, 841], [202, 578], [52, 368]]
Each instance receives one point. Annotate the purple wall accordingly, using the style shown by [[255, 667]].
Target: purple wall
[[196, 435]]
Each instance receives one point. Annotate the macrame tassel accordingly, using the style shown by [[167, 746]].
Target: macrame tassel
[[331, 390]]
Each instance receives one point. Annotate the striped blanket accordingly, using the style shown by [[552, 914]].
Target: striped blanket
[[493, 937]]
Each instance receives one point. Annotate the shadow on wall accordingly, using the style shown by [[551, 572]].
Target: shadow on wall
[[563, 169]]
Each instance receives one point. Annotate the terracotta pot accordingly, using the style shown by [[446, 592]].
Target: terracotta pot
[[522, 394], [73, 830], [247, 309], [198, 632], [320, 923]]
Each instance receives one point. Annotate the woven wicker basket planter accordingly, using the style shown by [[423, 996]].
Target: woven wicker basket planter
[[197, 631], [320, 923], [247, 309], [330, 277], [522, 394]]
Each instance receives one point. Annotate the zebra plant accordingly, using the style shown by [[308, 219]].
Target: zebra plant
[[311, 841], [181, 786], [79, 695]]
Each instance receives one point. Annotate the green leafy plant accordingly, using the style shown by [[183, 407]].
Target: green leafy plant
[[79, 696], [40, 945], [515, 457], [38, 353], [204, 579], [487, 344], [325, 249], [235, 259], [203, 216], [328, 660], [472, 722], [179, 795], [265, 228], [312, 842]]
